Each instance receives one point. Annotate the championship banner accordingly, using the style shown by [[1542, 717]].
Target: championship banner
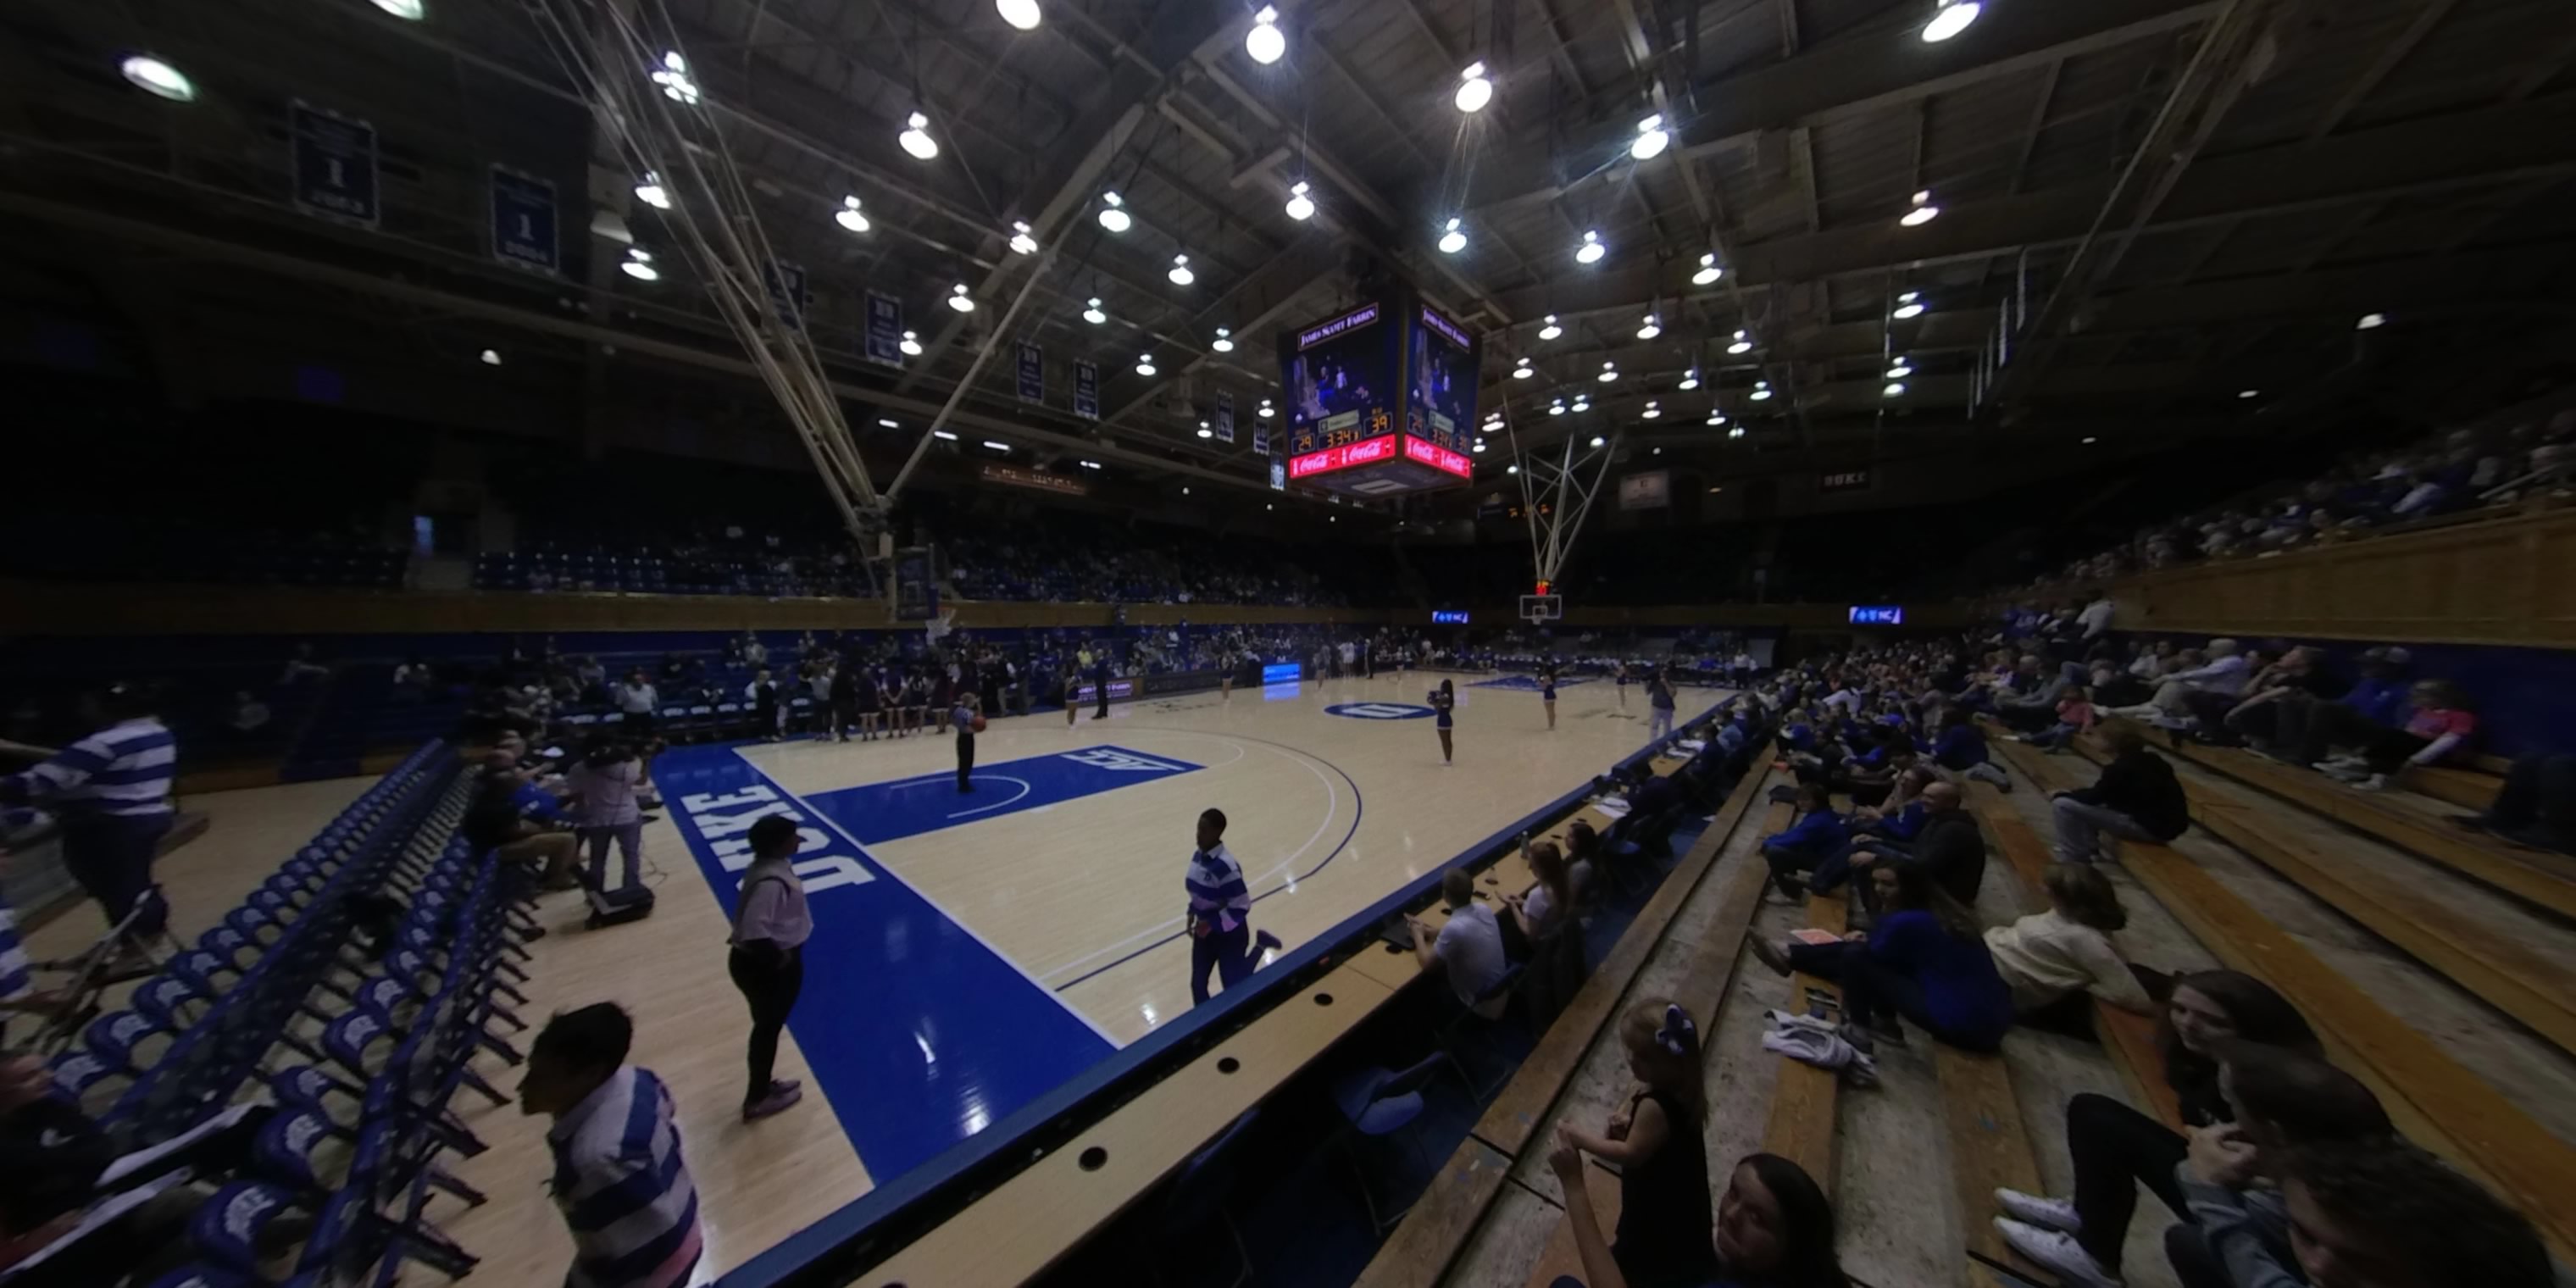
[[523, 221], [884, 330], [1278, 475], [1223, 423], [787, 294], [1086, 391], [1032, 373], [335, 165], [1260, 437]]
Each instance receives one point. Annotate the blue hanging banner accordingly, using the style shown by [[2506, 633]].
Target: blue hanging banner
[[787, 293], [1086, 391], [523, 221], [335, 165], [1260, 437], [1032, 373], [885, 330], [1278, 475], [1223, 423]]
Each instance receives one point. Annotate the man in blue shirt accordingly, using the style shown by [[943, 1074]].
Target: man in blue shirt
[[1816, 836], [2377, 702]]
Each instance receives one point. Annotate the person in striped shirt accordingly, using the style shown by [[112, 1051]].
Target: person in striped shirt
[[619, 1178], [112, 791], [1221, 937]]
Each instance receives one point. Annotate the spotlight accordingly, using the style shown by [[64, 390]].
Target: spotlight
[[1480, 446], [1088, 465], [1651, 139], [1300, 206], [959, 300], [1204, 431], [2371, 322], [1909, 306], [847, 216], [158, 78], [1895, 389], [1761, 391], [2089, 441], [1598, 440], [1021, 242], [1224, 342], [1524, 371], [1145, 364], [673, 77], [1952, 18], [916, 138], [943, 436], [1091, 312], [1582, 402], [1743, 344], [1474, 91], [1556, 408], [1736, 431], [1511, 469], [1716, 418], [1022, 14], [999, 447], [1181, 274], [410, 10], [639, 265], [1264, 42], [1650, 328], [1652, 411], [1266, 411], [2249, 393], [491, 357], [911, 345], [1923, 212], [1551, 330], [1113, 213], [1708, 270], [1591, 251], [1901, 370], [650, 191], [1452, 241], [888, 423]]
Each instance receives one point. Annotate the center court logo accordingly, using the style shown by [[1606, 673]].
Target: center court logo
[[1377, 710]]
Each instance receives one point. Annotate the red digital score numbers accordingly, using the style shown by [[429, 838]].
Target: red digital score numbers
[[1370, 451]]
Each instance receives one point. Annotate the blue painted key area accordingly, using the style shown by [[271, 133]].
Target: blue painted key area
[[878, 812], [919, 1035]]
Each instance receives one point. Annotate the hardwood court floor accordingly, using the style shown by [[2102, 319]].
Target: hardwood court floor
[[1080, 894]]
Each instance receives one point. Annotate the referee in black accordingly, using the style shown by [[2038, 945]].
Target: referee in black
[[963, 716], [1100, 681]]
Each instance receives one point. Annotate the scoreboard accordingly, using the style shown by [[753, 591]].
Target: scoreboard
[[1380, 398]]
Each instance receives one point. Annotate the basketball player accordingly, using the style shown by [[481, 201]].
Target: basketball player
[[964, 715], [1443, 700], [1547, 691], [1220, 909]]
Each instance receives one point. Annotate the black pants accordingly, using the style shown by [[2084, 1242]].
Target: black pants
[[771, 987], [2195, 1264], [965, 761], [2320, 726], [1229, 953], [2116, 1149], [111, 855], [1103, 713], [2541, 790], [2388, 750]]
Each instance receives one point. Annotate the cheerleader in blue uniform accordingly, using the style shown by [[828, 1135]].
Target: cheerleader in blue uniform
[[1547, 690], [1444, 700]]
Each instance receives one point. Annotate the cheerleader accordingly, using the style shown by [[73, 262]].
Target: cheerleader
[[1444, 700], [1619, 674], [1547, 691]]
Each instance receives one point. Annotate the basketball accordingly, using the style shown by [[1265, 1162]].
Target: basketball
[[976, 725]]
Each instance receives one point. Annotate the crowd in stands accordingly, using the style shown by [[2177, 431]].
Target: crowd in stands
[[2450, 473]]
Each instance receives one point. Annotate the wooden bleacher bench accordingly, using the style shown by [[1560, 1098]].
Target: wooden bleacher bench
[[2468, 788], [1801, 1126], [2433, 1099], [1439, 1224]]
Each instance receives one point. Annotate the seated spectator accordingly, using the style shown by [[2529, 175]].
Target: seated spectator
[[2056, 962], [2438, 729], [1814, 837], [1923, 960], [2236, 1233], [1949, 847], [1545, 906], [1775, 1227], [1468, 950], [1899, 818], [505, 817], [2035, 707], [2374, 1215], [2305, 732], [2075, 718], [2115, 1148], [2223, 675], [1961, 749], [2535, 807], [2299, 677], [2137, 798], [1655, 1139]]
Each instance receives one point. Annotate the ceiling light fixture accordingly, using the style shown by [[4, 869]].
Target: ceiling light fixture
[[1524, 371], [1735, 432], [1708, 272], [1609, 372], [1901, 370], [1091, 312], [1224, 342], [673, 77], [639, 265], [1895, 389], [1300, 206], [1511, 469], [1591, 251], [1690, 380], [1582, 402], [1950, 19], [1556, 408], [1909, 306], [158, 78], [1550, 330], [1598, 440], [1923, 212], [2371, 322], [1113, 213], [943, 436], [1652, 138], [1022, 14], [1761, 391], [1181, 274], [1265, 411], [916, 138], [491, 357], [847, 216], [410, 10], [1204, 431], [1717, 418], [1652, 411], [1021, 242], [999, 447], [1452, 240], [887, 423], [2089, 441], [1743, 344], [959, 300], [1650, 328], [1088, 465], [1264, 42], [911, 344], [1145, 364], [650, 191], [1480, 446], [2249, 393], [1474, 91]]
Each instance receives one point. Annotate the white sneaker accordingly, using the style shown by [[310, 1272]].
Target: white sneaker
[[2058, 1251], [2055, 1214], [2373, 783]]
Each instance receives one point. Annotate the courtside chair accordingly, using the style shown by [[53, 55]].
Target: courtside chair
[[1377, 1104]]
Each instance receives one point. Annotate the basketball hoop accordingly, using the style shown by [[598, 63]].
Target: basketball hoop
[[1539, 610]]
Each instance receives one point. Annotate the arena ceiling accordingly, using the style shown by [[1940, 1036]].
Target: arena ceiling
[[2155, 216]]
